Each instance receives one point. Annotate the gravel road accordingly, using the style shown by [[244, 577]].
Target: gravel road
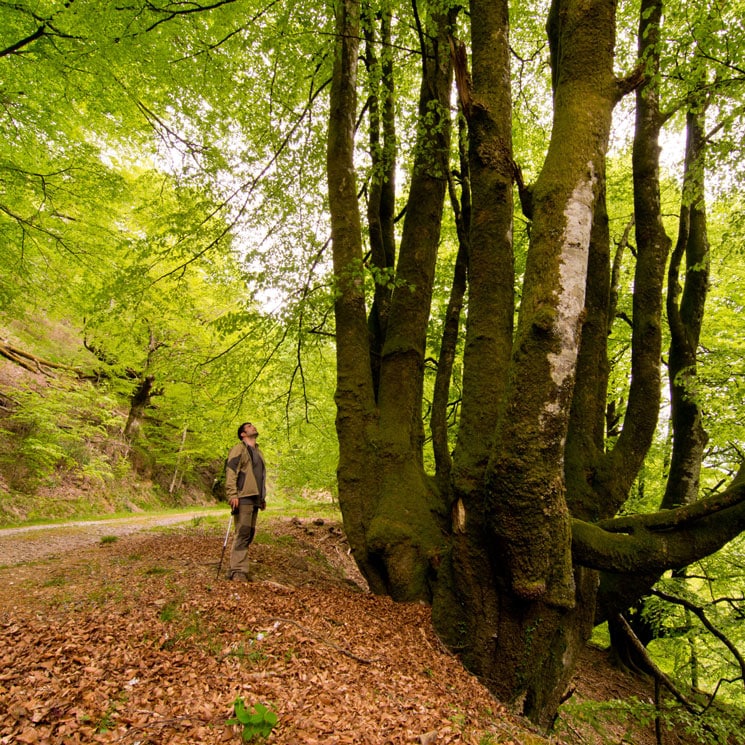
[[31, 543]]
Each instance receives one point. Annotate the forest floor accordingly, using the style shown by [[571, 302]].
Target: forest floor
[[116, 632]]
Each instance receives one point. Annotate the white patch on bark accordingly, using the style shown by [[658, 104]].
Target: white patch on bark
[[459, 517], [572, 279]]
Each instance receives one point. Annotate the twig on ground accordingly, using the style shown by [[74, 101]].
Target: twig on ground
[[324, 641]]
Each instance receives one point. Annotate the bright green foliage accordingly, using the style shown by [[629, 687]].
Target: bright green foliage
[[156, 194], [257, 721], [619, 720], [698, 621], [56, 429]]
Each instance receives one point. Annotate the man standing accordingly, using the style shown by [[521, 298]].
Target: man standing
[[245, 488]]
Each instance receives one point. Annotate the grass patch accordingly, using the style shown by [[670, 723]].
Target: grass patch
[[106, 593], [269, 539], [156, 570], [58, 581], [169, 612], [302, 507]]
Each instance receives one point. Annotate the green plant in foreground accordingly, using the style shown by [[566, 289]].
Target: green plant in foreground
[[257, 721], [107, 539]]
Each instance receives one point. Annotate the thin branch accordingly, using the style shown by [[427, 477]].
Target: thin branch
[[170, 13], [13, 48], [658, 674], [220, 42], [713, 630], [310, 633], [299, 370]]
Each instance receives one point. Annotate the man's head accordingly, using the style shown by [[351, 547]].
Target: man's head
[[247, 430]]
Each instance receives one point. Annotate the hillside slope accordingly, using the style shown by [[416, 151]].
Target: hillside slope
[[62, 453], [64, 582]]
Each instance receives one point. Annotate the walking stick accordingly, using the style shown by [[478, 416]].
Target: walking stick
[[224, 544]]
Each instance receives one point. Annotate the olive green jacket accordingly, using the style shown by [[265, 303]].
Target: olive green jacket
[[240, 477]]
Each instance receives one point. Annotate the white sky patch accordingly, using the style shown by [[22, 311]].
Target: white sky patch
[[572, 279]]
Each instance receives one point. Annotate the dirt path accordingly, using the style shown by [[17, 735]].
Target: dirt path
[[34, 542]]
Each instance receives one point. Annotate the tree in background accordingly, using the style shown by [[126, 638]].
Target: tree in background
[[125, 220]]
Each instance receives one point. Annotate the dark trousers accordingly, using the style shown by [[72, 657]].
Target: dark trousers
[[245, 530]]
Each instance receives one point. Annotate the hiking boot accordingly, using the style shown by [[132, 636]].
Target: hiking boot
[[239, 577]]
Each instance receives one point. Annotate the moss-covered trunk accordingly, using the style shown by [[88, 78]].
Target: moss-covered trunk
[[512, 603], [509, 550], [685, 313], [355, 399], [391, 509], [487, 106], [139, 403]]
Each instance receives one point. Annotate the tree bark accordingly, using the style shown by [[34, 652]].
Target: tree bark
[[617, 472], [668, 539], [355, 399], [404, 535], [525, 483], [382, 188], [685, 319], [138, 404], [586, 432], [461, 207], [30, 361], [394, 539], [517, 611], [684, 312], [143, 393], [489, 326]]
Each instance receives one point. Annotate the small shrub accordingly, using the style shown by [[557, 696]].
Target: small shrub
[[257, 722]]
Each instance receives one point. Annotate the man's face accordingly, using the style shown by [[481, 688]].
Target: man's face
[[250, 431]]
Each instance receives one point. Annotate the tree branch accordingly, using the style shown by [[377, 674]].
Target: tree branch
[[662, 540], [658, 674], [30, 361], [13, 48]]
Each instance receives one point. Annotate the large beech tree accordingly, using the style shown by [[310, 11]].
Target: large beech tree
[[509, 540]]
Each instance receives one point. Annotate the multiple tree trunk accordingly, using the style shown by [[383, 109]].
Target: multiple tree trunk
[[510, 537]]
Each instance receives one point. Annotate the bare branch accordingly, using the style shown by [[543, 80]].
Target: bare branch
[[713, 630], [658, 674]]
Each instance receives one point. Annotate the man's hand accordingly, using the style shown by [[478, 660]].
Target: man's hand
[[262, 504], [234, 504]]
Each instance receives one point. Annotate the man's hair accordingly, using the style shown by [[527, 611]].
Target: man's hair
[[240, 429]]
